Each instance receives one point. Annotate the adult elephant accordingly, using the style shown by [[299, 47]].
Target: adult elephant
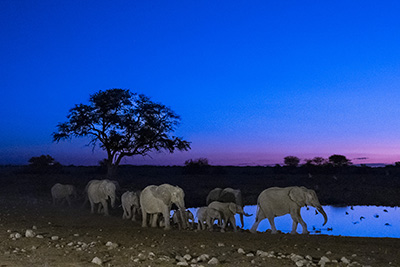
[[99, 191], [226, 195], [276, 201], [159, 199]]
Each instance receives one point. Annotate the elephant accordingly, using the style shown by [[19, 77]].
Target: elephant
[[98, 192], [130, 205], [277, 201], [205, 215], [228, 211], [188, 215], [63, 192], [227, 195], [159, 199]]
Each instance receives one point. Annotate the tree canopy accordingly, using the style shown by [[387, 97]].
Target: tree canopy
[[123, 124], [339, 160], [291, 161]]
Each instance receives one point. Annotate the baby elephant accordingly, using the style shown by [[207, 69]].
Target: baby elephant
[[130, 205], [63, 192], [228, 211], [187, 214], [206, 216]]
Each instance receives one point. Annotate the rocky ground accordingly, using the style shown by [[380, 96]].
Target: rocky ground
[[34, 233]]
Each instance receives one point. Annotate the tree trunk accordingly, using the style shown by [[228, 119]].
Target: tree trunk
[[111, 171]]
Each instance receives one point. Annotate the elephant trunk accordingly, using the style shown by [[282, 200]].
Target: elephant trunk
[[112, 201], [321, 210]]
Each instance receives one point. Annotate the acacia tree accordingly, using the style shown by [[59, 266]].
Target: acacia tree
[[123, 124]]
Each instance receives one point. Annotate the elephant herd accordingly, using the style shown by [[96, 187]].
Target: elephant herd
[[154, 204]]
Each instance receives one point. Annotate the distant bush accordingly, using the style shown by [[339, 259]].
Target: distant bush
[[197, 166], [43, 164], [291, 161]]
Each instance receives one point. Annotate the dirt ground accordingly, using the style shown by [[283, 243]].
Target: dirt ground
[[74, 237]]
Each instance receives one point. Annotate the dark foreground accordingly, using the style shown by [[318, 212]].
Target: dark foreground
[[116, 242], [74, 237]]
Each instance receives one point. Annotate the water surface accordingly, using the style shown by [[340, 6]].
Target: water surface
[[362, 221]]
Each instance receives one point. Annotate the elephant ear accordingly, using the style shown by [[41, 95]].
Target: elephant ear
[[164, 194], [297, 194], [232, 207]]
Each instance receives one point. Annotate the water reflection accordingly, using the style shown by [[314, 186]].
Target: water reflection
[[362, 221]]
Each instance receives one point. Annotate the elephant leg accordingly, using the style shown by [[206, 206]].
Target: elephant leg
[[91, 207], [144, 218], [124, 215], [253, 229], [166, 214], [54, 201], [241, 220], [272, 223], [233, 222], [296, 216], [154, 219], [105, 207], [224, 223], [133, 214]]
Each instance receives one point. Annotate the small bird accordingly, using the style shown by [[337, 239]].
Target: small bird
[[361, 218], [388, 224], [346, 213], [351, 208], [316, 212], [330, 229], [356, 222], [385, 210], [376, 216]]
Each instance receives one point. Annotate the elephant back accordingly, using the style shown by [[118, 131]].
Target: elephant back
[[213, 195]]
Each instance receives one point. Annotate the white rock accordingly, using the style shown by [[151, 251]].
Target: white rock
[[39, 236], [29, 233], [54, 237], [250, 255], [328, 253], [344, 260], [97, 261], [17, 235], [180, 258], [308, 257], [221, 245], [182, 263], [296, 258], [111, 245], [34, 227], [187, 257], [213, 261], [141, 256], [323, 261], [203, 257], [70, 244], [241, 251]]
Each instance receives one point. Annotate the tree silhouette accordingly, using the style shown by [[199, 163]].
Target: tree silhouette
[[291, 161], [123, 124], [339, 160], [43, 163]]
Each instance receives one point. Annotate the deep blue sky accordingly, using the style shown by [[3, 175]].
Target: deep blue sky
[[253, 81]]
